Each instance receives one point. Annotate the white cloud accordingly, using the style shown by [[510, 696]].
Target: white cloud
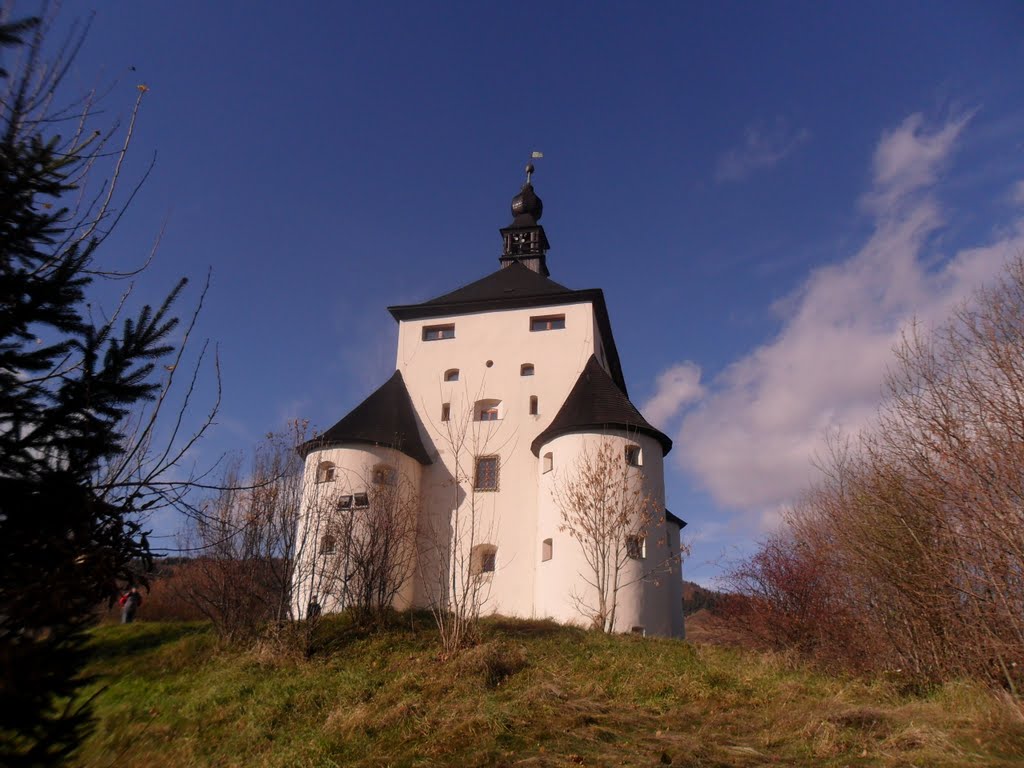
[[909, 159], [762, 148], [676, 387], [752, 439]]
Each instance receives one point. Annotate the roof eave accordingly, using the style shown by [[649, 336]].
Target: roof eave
[[548, 435]]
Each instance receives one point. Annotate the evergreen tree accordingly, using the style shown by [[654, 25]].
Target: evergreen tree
[[76, 469]]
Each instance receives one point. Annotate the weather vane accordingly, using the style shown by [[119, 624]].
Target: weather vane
[[529, 166]]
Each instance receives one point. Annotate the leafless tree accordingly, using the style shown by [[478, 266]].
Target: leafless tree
[[245, 541], [458, 559], [379, 543], [607, 509], [917, 525]]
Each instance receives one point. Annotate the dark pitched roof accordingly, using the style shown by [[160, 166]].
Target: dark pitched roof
[[675, 519], [596, 402], [513, 281], [516, 287], [386, 417]]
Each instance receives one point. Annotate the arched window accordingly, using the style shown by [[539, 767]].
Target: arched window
[[328, 545], [546, 550], [526, 369], [533, 405], [452, 374], [383, 474], [325, 472], [487, 410], [483, 559]]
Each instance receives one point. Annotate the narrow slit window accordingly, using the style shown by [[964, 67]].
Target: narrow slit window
[[526, 369], [546, 550], [533, 405], [452, 374], [549, 462], [547, 323], [438, 332], [446, 411]]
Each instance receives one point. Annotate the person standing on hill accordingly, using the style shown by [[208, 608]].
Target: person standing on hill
[[130, 602]]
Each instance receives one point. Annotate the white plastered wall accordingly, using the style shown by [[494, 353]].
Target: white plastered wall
[[316, 574], [650, 600], [507, 517]]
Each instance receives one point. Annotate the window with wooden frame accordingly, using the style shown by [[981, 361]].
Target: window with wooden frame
[[438, 332], [487, 410], [547, 323], [485, 478]]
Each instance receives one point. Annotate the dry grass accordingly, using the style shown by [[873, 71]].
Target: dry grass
[[531, 694]]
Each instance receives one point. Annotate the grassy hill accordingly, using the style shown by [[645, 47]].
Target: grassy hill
[[533, 693]]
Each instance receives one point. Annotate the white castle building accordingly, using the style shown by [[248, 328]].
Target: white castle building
[[499, 387]]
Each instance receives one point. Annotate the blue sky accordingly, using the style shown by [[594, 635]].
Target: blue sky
[[766, 192]]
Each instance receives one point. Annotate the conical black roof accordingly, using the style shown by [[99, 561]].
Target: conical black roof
[[386, 417], [596, 403]]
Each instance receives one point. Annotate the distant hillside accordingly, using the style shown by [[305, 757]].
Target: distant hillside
[[697, 598]]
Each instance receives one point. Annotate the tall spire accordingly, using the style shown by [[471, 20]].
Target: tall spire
[[524, 239]]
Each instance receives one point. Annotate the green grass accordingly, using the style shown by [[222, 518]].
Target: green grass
[[533, 693]]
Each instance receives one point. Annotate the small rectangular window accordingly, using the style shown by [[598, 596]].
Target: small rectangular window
[[546, 550], [533, 405], [633, 455], [549, 323], [362, 500], [488, 562], [344, 502], [636, 547], [639, 631], [526, 369], [446, 411], [437, 332], [549, 462], [489, 414], [486, 478]]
